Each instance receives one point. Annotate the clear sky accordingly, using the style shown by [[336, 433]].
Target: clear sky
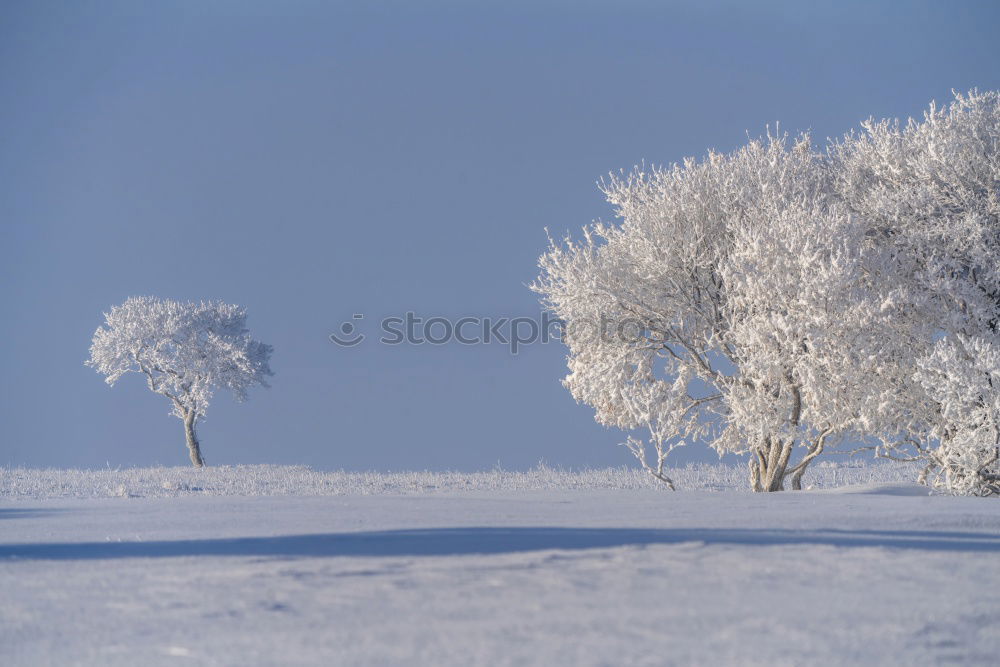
[[313, 160]]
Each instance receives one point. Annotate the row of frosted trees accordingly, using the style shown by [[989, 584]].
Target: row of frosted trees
[[782, 301]]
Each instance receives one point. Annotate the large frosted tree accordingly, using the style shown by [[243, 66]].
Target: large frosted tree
[[704, 315], [779, 298], [185, 351]]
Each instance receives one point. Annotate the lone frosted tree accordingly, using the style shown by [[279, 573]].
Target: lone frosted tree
[[185, 351]]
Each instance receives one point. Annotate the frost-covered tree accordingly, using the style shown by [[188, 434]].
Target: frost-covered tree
[[777, 298], [184, 350], [928, 194], [706, 314], [961, 376]]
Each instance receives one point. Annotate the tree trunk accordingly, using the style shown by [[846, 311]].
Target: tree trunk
[[767, 468], [194, 449], [797, 478], [755, 485]]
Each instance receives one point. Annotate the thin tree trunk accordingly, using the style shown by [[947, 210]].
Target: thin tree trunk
[[779, 473], [814, 450], [194, 449], [755, 467]]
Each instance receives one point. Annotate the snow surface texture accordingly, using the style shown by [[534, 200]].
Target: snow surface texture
[[270, 480], [875, 574]]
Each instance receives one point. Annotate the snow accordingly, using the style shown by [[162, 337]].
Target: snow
[[878, 572]]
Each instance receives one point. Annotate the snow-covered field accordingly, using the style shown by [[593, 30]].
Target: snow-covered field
[[547, 567], [271, 480]]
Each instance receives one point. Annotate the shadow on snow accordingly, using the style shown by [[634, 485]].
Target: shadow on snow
[[25, 513], [488, 540]]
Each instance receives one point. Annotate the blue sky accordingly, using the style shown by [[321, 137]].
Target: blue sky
[[312, 160]]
